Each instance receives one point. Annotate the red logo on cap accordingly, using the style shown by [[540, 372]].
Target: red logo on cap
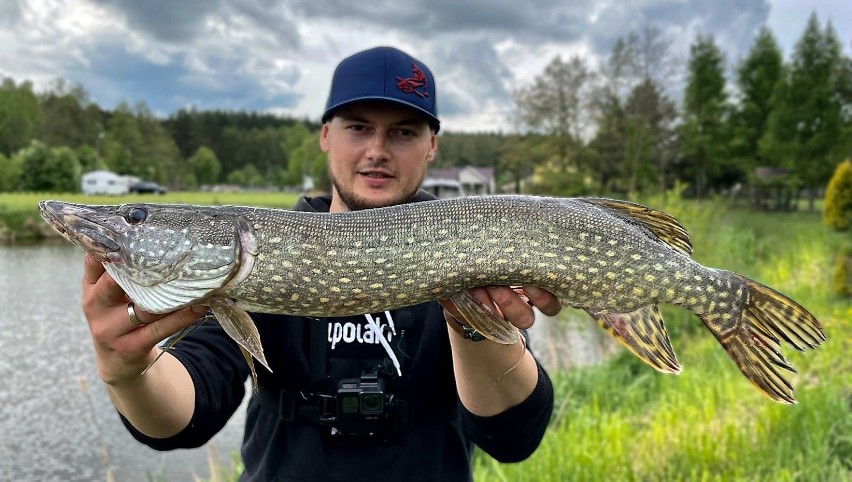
[[411, 84]]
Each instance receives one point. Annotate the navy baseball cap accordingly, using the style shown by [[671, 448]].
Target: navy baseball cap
[[387, 74]]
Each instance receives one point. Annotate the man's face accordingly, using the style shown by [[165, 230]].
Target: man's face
[[377, 154]]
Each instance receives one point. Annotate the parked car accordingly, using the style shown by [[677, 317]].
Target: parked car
[[147, 187]]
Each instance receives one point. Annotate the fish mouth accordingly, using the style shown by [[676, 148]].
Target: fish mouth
[[79, 225]]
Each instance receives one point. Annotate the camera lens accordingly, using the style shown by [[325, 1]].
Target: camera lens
[[372, 403]]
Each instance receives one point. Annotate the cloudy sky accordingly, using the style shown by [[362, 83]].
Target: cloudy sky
[[278, 55]]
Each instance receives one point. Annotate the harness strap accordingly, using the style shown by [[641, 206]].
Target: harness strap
[[320, 410]]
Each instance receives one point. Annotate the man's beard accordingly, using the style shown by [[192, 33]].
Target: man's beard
[[357, 203]]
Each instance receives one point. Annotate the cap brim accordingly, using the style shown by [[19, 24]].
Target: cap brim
[[432, 120]]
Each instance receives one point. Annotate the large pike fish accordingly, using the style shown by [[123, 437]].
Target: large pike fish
[[616, 260]]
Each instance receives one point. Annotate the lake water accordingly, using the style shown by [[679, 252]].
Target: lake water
[[48, 428], [53, 430]]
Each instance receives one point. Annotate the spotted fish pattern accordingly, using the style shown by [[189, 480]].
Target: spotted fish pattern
[[614, 259]]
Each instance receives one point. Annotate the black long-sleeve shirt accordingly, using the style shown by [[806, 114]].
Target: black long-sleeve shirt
[[437, 448]]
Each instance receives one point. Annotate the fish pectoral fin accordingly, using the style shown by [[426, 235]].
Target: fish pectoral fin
[[240, 327], [644, 334], [485, 321], [663, 226]]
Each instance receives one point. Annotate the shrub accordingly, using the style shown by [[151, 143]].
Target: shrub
[[837, 211], [842, 277]]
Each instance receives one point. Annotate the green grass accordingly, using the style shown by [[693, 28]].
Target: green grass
[[19, 218], [624, 421]]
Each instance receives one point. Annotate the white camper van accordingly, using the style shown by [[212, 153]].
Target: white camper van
[[104, 182]]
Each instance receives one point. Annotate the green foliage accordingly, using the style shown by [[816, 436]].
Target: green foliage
[[703, 132], [757, 76], [305, 158], [20, 116], [247, 176], [205, 166], [841, 280], [805, 126], [837, 209], [10, 173], [555, 104], [70, 119], [44, 168], [649, 134]]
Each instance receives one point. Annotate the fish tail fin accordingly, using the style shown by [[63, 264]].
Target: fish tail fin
[[644, 334], [752, 337]]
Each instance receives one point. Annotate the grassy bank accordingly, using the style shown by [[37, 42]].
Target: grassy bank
[[623, 421], [20, 221]]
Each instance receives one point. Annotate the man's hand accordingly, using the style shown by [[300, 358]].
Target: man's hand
[[161, 403], [511, 304], [491, 377], [124, 350]]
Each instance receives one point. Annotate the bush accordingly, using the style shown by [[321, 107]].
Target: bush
[[842, 277], [53, 169], [837, 211]]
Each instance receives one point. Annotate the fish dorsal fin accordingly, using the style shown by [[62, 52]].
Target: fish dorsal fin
[[662, 225]]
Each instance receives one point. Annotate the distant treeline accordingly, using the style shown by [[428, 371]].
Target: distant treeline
[[612, 130]]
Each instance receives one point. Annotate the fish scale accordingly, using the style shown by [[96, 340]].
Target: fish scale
[[614, 259]]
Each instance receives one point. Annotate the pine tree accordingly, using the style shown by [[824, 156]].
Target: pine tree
[[703, 132], [757, 76], [805, 126]]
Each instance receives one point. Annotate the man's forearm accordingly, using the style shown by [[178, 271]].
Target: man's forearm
[[484, 386], [159, 403]]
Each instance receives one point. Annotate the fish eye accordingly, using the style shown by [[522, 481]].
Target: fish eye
[[136, 215]]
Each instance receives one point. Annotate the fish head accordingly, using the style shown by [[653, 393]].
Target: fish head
[[164, 256]]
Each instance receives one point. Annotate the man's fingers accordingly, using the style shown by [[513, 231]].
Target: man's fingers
[[92, 269], [544, 300], [158, 330], [514, 309], [511, 304]]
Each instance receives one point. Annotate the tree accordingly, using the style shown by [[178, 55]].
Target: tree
[[10, 173], [757, 77], [69, 117], [805, 126], [186, 131], [247, 176], [303, 158], [607, 149], [137, 144], [20, 116], [635, 134], [53, 169], [554, 104], [205, 166], [650, 133], [122, 141], [703, 132]]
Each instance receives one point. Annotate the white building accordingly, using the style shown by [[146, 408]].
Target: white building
[[461, 180], [104, 182]]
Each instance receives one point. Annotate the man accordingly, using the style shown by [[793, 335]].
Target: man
[[335, 406]]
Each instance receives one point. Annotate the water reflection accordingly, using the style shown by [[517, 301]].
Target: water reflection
[[47, 430]]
